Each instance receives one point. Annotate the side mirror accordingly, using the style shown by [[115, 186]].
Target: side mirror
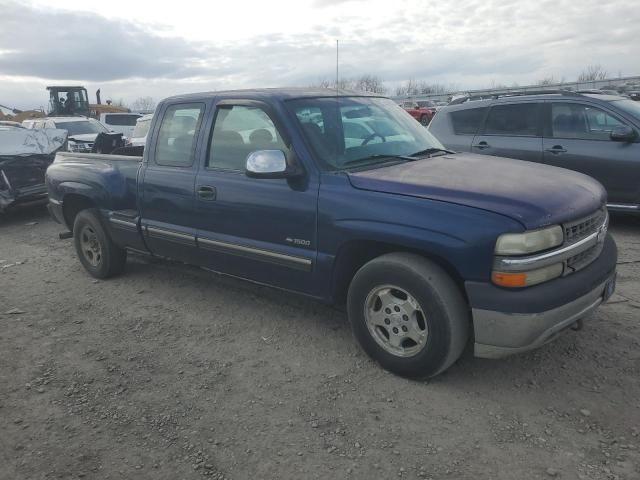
[[268, 164], [623, 134]]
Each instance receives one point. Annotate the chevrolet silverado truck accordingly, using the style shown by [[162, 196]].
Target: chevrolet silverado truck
[[343, 197]]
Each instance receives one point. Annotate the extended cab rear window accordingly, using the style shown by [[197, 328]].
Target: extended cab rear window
[[178, 132], [467, 122]]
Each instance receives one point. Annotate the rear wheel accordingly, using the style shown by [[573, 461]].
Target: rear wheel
[[96, 251], [424, 120], [408, 314]]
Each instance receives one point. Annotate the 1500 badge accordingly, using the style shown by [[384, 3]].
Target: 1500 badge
[[299, 241]]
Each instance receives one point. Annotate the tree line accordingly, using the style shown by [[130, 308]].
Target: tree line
[[375, 84]]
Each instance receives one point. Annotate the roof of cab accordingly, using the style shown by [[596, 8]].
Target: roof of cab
[[272, 94]]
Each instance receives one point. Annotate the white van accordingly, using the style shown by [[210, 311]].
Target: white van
[[139, 136], [120, 122]]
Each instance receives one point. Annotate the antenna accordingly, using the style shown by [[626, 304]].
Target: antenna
[[337, 71]]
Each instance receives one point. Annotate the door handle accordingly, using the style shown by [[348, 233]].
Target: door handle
[[206, 192], [556, 149], [482, 145]]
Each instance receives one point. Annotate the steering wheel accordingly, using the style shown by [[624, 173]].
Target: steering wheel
[[371, 137]]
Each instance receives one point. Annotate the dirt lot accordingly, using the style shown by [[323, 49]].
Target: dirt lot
[[169, 372]]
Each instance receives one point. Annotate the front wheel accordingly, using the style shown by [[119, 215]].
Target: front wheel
[[424, 120], [408, 314], [98, 254]]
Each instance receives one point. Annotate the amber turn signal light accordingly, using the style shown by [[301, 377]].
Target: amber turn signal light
[[511, 280]]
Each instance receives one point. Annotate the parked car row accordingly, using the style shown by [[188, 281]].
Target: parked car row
[[83, 131], [593, 134]]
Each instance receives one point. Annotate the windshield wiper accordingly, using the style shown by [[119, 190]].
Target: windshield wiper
[[380, 156], [430, 151]]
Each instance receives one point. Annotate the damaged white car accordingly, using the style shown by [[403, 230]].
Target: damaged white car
[[24, 157]]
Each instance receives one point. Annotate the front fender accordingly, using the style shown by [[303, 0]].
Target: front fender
[[460, 236], [450, 249]]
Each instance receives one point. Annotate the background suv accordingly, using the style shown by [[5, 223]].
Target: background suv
[[590, 133]]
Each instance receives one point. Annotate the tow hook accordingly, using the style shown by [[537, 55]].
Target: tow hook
[[578, 325]]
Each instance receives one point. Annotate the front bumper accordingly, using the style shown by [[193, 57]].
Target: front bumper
[[508, 322]]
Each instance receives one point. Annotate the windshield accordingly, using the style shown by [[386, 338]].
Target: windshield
[[141, 129], [628, 106], [81, 127], [360, 131]]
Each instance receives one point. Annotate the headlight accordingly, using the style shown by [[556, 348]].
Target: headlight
[[529, 242]]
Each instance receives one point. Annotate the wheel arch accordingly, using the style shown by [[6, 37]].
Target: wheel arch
[[353, 254], [74, 203]]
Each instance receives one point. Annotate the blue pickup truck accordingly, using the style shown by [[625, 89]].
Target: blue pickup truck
[[344, 197]]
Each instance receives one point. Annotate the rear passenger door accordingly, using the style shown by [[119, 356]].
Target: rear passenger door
[[512, 130], [465, 124], [256, 228], [167, 199], [578, 138]]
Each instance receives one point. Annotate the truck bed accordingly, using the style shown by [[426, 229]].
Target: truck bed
[[109, 181]]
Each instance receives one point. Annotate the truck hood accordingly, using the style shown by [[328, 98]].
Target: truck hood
[[535, 195]]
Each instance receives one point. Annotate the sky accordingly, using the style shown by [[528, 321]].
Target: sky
[[130, 49]]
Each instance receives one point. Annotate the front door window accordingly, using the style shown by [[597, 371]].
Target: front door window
[[581, 122]]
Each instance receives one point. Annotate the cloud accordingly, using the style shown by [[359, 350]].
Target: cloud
[[331, 3], [471, 43], [67, 45]]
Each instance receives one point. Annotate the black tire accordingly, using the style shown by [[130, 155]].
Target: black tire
[[424, 120], [446, 313], [88, 229]]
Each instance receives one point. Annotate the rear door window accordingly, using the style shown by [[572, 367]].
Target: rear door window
[[518, 119], [467, 122], [583, 122], [178, 133]]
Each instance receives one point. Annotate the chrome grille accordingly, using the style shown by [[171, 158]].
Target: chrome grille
[[578, 262], [577, 230]]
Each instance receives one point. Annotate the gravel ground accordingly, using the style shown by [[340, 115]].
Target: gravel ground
[[169, 372]]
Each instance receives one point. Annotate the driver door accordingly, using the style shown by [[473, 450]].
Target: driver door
[[255, 228]]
